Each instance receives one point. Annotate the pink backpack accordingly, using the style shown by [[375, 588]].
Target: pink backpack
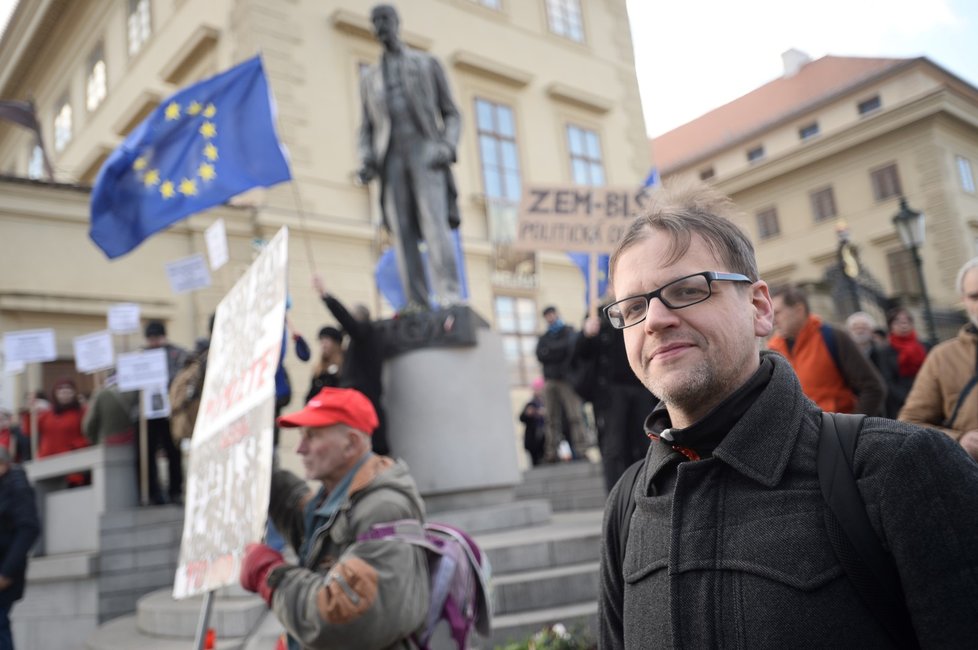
[[458, 575]]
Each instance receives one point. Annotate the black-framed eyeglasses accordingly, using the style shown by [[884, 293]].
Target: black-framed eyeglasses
[[684, 292]]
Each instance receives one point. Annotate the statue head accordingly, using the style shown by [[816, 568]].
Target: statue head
[[386, 25]]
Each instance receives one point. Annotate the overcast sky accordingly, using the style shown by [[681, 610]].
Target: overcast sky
[[695, 55]]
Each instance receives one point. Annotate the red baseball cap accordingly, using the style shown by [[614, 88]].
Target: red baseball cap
[[334, 406]]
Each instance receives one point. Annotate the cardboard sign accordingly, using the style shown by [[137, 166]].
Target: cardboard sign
[[124, 318], [142, 370], [188, 274], [94, 352], [576, 219], [217, 244], [29, 346], [230, 469]]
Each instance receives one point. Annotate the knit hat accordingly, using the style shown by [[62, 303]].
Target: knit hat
[[331, 333]]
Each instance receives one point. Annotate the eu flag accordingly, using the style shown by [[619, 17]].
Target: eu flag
[[199, 148]]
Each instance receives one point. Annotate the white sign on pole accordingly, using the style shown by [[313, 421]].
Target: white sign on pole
[[13, 367], [30, 346], [188, 274], [124, 318], [217, 244], [142, 370], [94, 352], [230, 471], [156, 403]]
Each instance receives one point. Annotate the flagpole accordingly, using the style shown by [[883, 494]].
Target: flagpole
[[302, 221]]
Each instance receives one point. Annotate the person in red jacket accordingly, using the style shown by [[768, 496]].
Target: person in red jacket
[[60, 429]]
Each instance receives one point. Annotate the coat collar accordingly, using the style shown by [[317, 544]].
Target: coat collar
[[761, 443]]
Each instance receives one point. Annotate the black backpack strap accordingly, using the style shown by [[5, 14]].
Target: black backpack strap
[[625, 505], [866, 562], [949, 423]]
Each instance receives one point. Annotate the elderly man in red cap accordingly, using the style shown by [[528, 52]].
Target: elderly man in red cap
[[342, 594]]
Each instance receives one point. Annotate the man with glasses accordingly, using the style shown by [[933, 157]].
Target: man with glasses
[[727, 544]]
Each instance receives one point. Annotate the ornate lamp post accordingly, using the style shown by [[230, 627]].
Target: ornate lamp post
[[910, 226]]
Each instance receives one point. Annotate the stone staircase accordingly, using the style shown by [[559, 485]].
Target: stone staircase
[[543, 548]]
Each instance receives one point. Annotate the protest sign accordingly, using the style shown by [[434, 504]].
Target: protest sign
[[123, 318], [576, 219], [188, 274], [29, 346], [229, 475], [156, 402], [94, 352], [217, 244], [141, 370]]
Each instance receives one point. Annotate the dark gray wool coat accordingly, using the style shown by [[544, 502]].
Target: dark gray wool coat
[[733, 552]]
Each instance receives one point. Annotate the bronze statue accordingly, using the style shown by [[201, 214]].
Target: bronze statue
[[408, 136]]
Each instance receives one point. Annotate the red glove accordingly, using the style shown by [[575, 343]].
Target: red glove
[[258, 562]]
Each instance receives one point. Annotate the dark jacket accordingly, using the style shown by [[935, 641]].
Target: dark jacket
[[555, 349], [603, 356], [884, 359], [362, 360], [732, 552], [19, 529]]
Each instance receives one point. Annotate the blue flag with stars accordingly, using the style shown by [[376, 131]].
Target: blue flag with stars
[[200, 147]]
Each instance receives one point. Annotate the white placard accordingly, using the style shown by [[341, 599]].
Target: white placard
[[94, 352], [230, 470], [124, 318], [29, 346], [217, 244], [13, 367], [188, 274], [156, 402], [141, 370]]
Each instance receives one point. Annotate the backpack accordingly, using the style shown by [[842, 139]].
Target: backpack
[[185, 393], [868, 566], [458, 576]]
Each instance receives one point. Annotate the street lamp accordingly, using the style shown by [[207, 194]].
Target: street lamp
[[910, 226]]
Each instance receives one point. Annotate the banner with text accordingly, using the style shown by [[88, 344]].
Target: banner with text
[[576, 219], [230, 471]]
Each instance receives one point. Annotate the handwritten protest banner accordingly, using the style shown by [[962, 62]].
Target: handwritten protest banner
[[230, 469], [576, 219], [29, 346], [141, 370], [188, 274], [123, 318], [94, 352]]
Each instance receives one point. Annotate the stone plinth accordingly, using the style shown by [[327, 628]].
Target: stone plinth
[[449, 418]]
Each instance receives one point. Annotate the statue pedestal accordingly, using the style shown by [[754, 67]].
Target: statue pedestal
[[450, 418]]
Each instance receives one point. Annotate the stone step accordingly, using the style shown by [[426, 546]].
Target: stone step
[[569, 538], [558, 485], [124, 634], [159, 615], [583, 501], [504, 516], [517, 627], [562, 471], [545, 588]]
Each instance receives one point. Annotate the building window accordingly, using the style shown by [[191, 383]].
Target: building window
[[565, 20], [823, 204], [139, 25], [755, 154], [35, 164], [965, 175], [497, 151], [516, 320], [491, 4], [809, 131], [886, 182], [585, 156], [767, 223], [903, 274], [95, 82], [707, 174], [870, 105], [62, 125]]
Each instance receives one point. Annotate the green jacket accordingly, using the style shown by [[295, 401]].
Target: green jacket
[[375, 594]]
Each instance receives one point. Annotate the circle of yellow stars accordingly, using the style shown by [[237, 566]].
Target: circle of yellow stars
[[168, 188]]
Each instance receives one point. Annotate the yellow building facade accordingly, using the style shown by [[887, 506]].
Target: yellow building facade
[[833, 144], [545, 88]]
